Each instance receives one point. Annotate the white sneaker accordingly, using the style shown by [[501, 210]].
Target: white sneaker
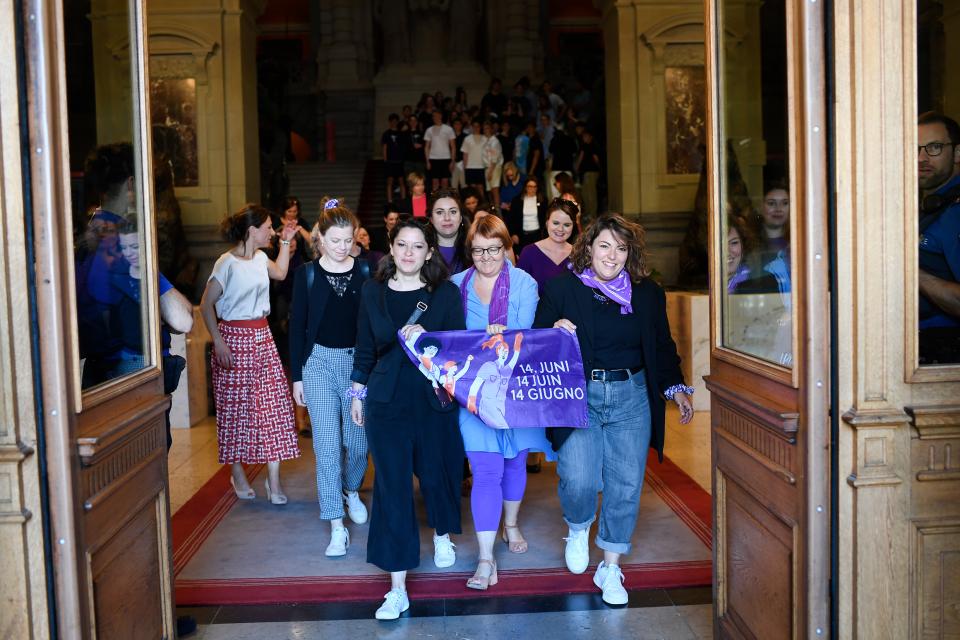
[[395, 602], [443, 551], [610, 580], [339, 541], [577, 553], [355, 507]]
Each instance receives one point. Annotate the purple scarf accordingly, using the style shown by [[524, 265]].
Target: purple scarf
[[619, 289], [499, 300]]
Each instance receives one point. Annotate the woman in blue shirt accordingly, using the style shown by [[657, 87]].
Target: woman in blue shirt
[[496, 297]]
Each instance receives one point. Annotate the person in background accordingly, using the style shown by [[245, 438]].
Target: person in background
[[416, 204], [938, 167], [414, 159], [473, 158], [378, 236], [281, 292], [549, 257], [492, 162], [510, 187], [323, 332], [496, 297], [451, 224], [527, 215], [458, 180], [507, 142], [562, 151], [439, 149], [774, 221], [392, 148], [471, 200], [536, 160], [588, 166], [255, 423], [619, 317], [494, 102], [361, 248], [408, 430]]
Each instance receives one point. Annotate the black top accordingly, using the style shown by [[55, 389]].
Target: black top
[[566, 297], [507, 143], [458, 142], [497, 103], [589, 163], [338, 323], [563, 149], [618, 339], [379, 360], [310, 300], [535, 145], [514, 217], [395, 142]]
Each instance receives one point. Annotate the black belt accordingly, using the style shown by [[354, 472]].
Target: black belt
[[613, 375]]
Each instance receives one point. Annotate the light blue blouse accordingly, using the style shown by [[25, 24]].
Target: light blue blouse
[[521, 308]]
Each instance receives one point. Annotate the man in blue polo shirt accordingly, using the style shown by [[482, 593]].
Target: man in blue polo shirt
[[939, 276]]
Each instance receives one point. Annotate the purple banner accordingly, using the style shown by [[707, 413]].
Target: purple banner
[[528, 378]]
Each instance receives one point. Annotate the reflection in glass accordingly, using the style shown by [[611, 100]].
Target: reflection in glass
[[755, 245], [106, 213], [938, 177]]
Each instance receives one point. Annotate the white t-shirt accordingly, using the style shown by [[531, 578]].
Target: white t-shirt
[[531, 221], [492, 152], [472, 148], [246, 287], [439, 137]]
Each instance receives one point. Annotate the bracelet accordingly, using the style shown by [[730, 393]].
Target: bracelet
[[668, 394], [359, 394], [285, 243]]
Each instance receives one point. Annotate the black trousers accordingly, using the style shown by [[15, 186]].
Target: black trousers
[[408, 438]]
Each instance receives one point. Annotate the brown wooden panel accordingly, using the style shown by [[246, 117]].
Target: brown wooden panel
[[759, 568], [125, 580], [936, 599]]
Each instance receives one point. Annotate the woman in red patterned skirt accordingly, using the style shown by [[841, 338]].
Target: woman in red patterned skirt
[[255, 422]]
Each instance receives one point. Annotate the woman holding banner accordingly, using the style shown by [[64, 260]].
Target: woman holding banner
[[619, 317], [497, 297], [409, 430]]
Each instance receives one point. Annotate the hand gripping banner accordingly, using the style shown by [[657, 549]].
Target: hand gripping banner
[[527, 378]]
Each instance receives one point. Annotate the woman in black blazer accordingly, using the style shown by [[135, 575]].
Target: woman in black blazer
[[323, 332], [524, 233], [619, 317], [408, 429]]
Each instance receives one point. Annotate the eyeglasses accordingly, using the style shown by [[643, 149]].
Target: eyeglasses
[[493, 252], [934, 149]]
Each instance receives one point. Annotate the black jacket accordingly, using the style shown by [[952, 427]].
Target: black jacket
[[307, 312], [379, 359], [566, 297], [514, 217]]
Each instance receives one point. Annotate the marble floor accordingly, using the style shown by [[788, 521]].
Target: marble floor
[[669, 614]]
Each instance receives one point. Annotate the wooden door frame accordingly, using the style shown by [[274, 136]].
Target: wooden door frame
[[79, 426], [808, 382]]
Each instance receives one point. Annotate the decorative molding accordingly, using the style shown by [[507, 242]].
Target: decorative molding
[[112, 467], [783, 423], [875, 431], [936, 422]]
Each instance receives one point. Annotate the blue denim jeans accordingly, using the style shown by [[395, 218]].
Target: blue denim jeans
[[610, 456]]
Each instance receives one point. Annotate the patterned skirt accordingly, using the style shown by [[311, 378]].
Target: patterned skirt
[[254, 409]]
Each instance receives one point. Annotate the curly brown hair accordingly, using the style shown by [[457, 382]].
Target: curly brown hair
[[630, 233]]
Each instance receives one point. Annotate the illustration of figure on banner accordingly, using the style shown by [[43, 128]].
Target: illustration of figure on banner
[[453, 373], [494, 379]]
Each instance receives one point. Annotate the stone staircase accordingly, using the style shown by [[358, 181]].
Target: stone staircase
[[310, 181]]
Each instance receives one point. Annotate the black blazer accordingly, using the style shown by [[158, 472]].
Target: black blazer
[[379, 359], [566, 297], [514, 217], [307, 312]]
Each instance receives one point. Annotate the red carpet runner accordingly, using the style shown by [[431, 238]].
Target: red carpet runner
[[195, 521]]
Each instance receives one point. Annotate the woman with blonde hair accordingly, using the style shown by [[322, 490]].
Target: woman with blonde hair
[[323, 332]]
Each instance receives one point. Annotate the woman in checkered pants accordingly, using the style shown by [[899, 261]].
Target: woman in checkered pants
[[323, 332]]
